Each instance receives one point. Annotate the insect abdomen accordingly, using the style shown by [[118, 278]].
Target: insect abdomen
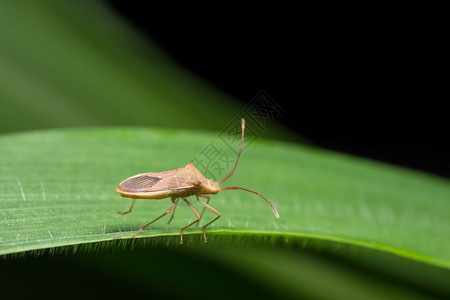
[[144, 195]]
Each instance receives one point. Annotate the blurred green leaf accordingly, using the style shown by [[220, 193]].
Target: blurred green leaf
[[75, 63], [58, 188], [165, 271]]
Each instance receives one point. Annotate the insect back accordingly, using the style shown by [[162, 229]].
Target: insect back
[[139, 183]]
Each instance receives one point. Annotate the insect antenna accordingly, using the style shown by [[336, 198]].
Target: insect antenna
[[240, 151], [256, 193], [234, 168]]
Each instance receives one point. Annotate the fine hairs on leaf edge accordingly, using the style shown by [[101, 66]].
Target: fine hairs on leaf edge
[[234, 239]]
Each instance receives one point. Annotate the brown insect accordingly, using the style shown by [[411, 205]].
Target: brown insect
[[180, 183]]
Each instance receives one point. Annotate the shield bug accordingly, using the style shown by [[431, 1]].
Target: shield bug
[[180, 183]]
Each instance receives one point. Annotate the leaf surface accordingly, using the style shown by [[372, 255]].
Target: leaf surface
[[58, 188]]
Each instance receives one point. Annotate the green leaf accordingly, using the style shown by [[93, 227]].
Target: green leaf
[[58, 189]]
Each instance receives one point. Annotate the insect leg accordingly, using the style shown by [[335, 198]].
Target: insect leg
[[173, 212], [207, 201], [196, 215], [214, 211], [172, 207], [127, 212]]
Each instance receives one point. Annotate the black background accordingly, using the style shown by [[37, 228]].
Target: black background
[[367, 83]]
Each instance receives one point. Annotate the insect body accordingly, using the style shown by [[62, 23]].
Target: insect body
[[176, 184]]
